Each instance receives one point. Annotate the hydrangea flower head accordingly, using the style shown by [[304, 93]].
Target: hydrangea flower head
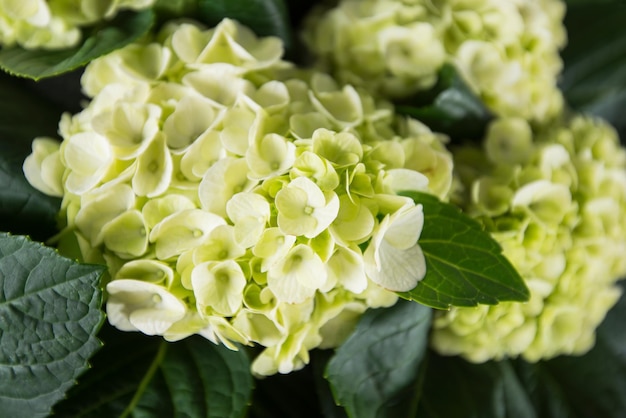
[[555, 201], [507, 51], [53, 24], [236, 197]]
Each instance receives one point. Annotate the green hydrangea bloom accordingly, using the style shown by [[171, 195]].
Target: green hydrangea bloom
[[237, 197], [506, 50], [52, 24], [556, 205]]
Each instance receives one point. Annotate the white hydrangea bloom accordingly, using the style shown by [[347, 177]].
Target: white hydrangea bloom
[[507, 51], [53, 24], [231, 195], [555, 203]]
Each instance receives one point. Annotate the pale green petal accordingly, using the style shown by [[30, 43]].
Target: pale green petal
[[396, 270], [43, 167], [250, 213], [129, 127], [188, 41], [272, 96], [343, 107], [509, 141], [183, 231], [151, 271], [270, 156], [549, 202], [346, 268], [100, 208], [303, 125], [219, 330], [221, 89], [297, 275], [154, 169], [303, 209], [135, 305], [219, 245], [393, 259], [88, 156], [126, 235], [223, 180], [235, 136], [405, 227], [354, 222], [218, 287], [318, 169], [403, 180], [272, 246], [258, 328], [155, 210], [341, 149], [191, 118], [201, 155]]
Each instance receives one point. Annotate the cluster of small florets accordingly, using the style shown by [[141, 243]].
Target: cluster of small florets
[[507, 51], [555, 203], [52, 24], [236, 197]]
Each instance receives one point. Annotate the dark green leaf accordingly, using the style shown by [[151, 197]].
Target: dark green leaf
[[199, 379], [49, 316], [138, 376], [264, 17], [449, 107], [99, 40], [464, 264], [117, 370], [455, 388], [328, 406], [376, 372], [594, 79], [19, 109], [170, 9], [23, 209]]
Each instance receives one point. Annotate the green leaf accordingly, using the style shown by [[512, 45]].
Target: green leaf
[[464, 264], [264, 17], [449, 107], [171, 9], [23, 209], [49, 316], [594, 78], [376, 372], [99, 40], [145, 377], [456, 388]]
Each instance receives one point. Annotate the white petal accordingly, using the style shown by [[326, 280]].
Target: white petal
[[399, 270]]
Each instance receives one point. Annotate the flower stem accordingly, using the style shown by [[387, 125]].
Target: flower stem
[[146, 379]]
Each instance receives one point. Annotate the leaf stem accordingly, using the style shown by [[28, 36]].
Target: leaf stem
[[146, 379]]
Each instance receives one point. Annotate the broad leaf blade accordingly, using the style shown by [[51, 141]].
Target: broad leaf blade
[[264, 17], [464, 264], [200, 379], [375, 372], [23, 209], [139, 376], [49, 316], [37, 64], [449, 107]]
